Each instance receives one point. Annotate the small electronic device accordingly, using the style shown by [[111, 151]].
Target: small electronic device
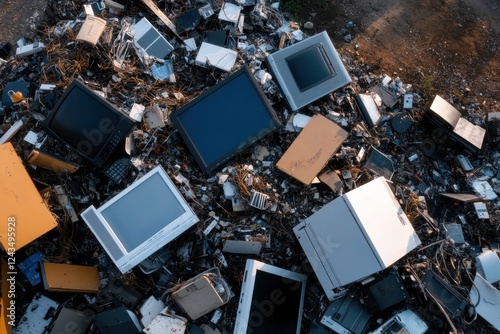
[[88, 124]]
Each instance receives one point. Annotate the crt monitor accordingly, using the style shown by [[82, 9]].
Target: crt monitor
[[308, 70], [141, 219], [226, 119], [88, 123], [271, 300]]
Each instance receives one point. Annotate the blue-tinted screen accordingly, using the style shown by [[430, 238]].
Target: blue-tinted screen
[[226, 120]]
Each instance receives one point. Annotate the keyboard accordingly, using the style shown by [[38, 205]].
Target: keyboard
[[118, 170]]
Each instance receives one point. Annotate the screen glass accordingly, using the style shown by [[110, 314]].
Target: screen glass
[[83, 121], [310, 67], [144, 211], [227, 119], [276, 302]]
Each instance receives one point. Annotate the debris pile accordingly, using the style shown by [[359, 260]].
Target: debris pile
[[209, 167]]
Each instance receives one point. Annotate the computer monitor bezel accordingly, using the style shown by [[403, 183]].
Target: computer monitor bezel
[[129, 259], [243, 315], [274, 123], [121, 128], [295, 97]]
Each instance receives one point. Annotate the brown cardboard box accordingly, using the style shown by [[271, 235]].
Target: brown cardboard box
[[21, 203], [312, 149], [70, 278]]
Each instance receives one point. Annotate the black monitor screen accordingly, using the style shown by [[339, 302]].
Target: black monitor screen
[[276, 303], [310, 67], [82, 120], [226, 119]]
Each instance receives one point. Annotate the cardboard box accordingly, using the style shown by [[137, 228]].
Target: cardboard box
[[312, 149], [21, 202], [62, 277]]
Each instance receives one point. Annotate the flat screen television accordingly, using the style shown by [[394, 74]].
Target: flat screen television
[[271, 300], [308, 70], [141, 219], [225, 119], [87, 123]]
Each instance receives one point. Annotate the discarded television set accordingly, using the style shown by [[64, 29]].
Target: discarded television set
[[308, 70], [226, 119], [87, 123], [141, 219], [271, 300]]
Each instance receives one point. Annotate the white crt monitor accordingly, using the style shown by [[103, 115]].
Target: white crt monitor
[[141, 219], [271, 300]]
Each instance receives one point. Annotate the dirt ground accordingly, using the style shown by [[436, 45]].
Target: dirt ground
[[440, 46], [449, 46]]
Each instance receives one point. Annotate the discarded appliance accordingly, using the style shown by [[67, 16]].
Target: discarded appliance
[[388, 97], [443, 115], [242, 247], [88, 123], [31, 268], [29, 218], [37, 317], [71, 320], [356, 235], [380, 164], [11, 132], [210, 55], [408, 101], [488, 265], [346, 315], [215, 130], [165, 323], [312, 149], [229, 12], [29, 49], [271, 300], [368, 108], [62, 277], [150, 309], [25, 88], [91, 30], [149, 41], [141, 219], [118, 320], [188, 20], [442, 293], [486, 299], [308, 70], [454, 233], [203, 293], [481, 210], [406, 321], [386, 292]]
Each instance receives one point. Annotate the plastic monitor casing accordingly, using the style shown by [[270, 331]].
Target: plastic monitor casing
[[147, 199], [306, 79], [269, 311], [106, 126]]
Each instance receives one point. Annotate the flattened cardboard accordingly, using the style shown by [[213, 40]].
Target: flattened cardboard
[[61, 277], [312, 149], [20, 200]]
